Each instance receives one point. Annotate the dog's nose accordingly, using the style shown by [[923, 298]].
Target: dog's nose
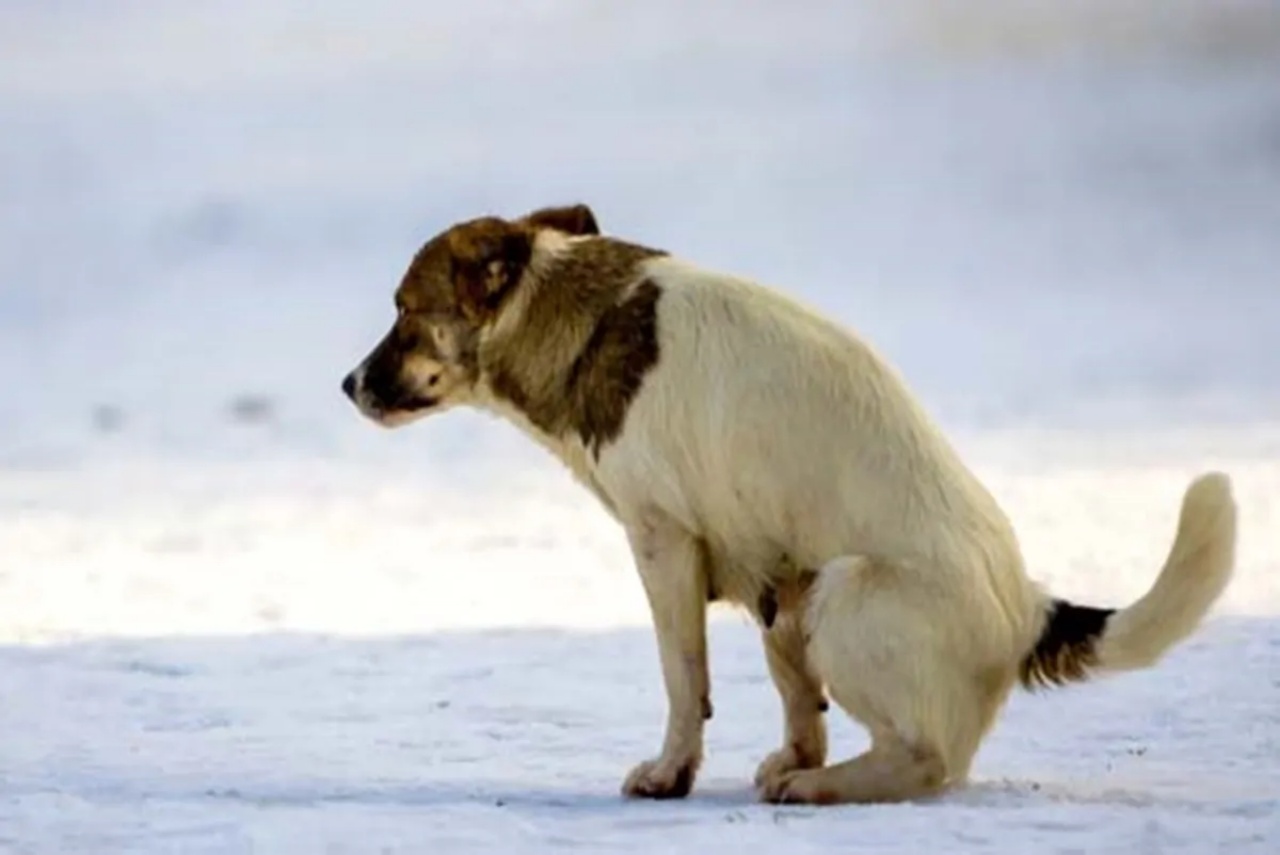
[[349, 386]]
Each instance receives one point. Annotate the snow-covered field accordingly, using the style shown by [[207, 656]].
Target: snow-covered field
[[224, 625], [262, 659]]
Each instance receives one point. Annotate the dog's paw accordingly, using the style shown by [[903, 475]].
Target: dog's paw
[[661, 779], [794, 757], [803, 786], [779, 763]]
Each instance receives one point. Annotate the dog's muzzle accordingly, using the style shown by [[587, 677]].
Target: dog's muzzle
[[388, 407]]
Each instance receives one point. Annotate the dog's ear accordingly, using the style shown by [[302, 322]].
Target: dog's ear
[[488, 258], [576, 220]]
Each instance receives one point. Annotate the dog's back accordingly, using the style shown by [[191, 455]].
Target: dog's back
[[778, 425]]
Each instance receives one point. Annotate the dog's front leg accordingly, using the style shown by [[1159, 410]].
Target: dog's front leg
[[670, 563]]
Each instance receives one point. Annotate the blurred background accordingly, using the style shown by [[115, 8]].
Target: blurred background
[[1048, 214]]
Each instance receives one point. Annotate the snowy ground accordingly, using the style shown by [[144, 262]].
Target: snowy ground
[[265, 660], [224, 625]]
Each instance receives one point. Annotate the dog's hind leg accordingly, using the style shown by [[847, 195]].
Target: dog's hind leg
[[672, 568], [804, 743], [888, 655]]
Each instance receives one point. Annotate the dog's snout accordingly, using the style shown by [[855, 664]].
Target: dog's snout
[[349, 385]]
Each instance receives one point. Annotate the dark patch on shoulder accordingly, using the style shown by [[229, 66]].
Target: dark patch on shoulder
[[1067, 647], [584, 343], [609, 371]]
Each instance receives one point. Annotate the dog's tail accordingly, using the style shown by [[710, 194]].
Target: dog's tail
[[1077, 640]]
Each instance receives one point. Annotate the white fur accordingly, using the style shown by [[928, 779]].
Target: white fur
[[769, 436], [1194, 576]]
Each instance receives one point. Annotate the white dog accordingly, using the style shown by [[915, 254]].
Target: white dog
[[759, 454]]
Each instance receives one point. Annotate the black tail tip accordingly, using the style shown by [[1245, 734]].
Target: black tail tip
[[1067, 648]]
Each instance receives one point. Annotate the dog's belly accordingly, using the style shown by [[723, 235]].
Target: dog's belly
[[769, 523]]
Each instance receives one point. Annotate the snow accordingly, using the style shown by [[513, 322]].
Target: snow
[[515, 740], [254, 660], [236, 618]]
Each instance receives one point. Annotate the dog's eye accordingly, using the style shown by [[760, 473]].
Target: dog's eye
[[440, 336]]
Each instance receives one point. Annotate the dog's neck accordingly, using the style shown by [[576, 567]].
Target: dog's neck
[[534, 357]]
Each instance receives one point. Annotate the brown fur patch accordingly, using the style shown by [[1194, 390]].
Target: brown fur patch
[[571, 354], [1067, 647], [466, 271], [570, 219], [608, 372], [487, 258], [585, 340]]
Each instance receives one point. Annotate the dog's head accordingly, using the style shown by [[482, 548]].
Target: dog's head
[[453, 289]]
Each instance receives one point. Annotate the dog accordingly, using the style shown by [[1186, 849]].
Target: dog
[[756, 453]]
